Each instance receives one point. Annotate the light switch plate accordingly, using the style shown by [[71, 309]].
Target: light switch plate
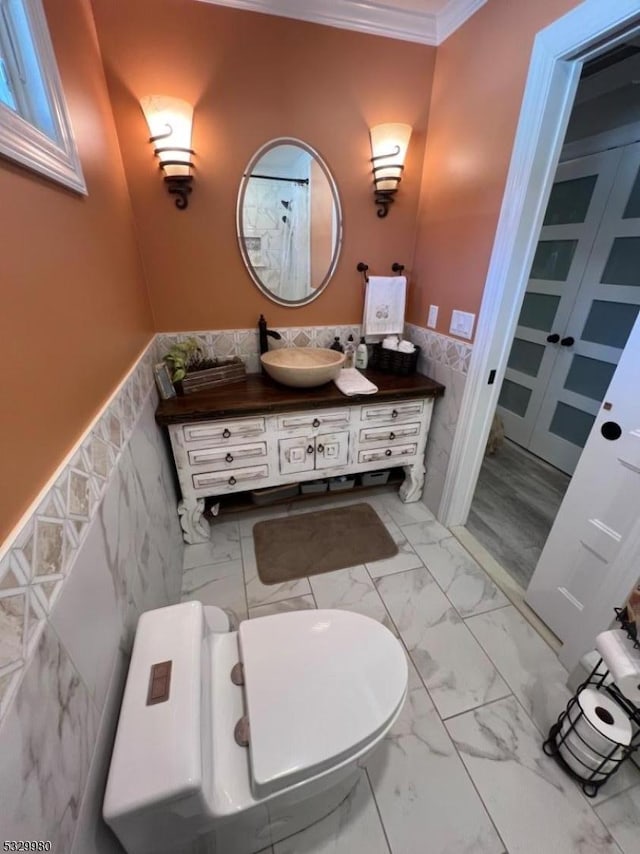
[[432, 320], [462, 323]]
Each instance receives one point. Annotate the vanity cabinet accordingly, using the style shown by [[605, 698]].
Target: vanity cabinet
[[291, 435]]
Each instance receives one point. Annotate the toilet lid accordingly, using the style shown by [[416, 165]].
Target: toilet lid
[[320, 686]]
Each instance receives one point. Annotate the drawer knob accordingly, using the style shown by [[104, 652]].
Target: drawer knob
[[226, 433], [229, 458], [320, 449], [387, 453], [394, 413], [392, 436], [232, 481], [309, 449], [315, 423]]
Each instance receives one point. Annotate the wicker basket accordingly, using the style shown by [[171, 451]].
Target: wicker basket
[[393, 361]]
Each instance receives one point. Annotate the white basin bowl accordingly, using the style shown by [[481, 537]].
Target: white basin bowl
[[302, 367]]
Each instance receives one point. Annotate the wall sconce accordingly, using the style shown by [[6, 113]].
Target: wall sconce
[[170, 121], [389, 145]]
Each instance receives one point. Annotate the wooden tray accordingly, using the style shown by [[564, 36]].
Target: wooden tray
[[230, 371]]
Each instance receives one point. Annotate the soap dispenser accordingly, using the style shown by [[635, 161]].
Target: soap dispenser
[[362, 355], [350, 352], [337, 345]]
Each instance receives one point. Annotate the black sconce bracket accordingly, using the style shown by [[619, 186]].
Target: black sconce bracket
[[180, 186], [384, 198]]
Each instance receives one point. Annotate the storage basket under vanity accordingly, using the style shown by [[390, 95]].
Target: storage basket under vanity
[[393, 361]]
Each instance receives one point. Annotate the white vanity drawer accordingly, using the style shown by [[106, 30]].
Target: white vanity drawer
[[223, 431], [392, 411], [225, 456], [325, 418], [393, 433], [230, 480], [389, 454]]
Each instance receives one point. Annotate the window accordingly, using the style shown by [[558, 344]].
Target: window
[[35, 129]]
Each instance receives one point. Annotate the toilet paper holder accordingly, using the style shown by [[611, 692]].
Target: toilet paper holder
[[566, 742]]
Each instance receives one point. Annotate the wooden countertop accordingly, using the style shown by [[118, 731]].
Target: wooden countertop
[[259, 393]]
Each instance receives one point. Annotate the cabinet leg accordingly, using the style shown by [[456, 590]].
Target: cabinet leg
[[411, 488], [195, 528]]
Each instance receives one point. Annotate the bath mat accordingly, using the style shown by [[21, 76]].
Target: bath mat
[[312, 543]]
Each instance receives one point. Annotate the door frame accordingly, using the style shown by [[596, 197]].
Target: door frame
[[558, 54]]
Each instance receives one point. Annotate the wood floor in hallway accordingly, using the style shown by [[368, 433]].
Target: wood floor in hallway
[[514, 506]]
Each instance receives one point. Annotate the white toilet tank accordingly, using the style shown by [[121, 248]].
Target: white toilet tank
[[155, 783]]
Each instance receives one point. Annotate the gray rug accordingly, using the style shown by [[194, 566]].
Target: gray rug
[[293, 547]]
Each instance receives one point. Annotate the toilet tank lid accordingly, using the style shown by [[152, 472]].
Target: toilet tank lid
[[157, 753]]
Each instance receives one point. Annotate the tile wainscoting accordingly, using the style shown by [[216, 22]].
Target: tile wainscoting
[[446, 360], [102, 546]]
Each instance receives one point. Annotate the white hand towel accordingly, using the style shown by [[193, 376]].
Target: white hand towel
[[384, 305], [351, 382], [406, 347], [390, 342]]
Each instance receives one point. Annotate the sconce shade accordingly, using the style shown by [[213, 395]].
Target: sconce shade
[[389, 143], [170, 121]]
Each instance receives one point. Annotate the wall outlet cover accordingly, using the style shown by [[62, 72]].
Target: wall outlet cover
[[432, 319], [462, 323]]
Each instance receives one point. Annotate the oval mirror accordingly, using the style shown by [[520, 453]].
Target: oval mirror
[[289, 221]]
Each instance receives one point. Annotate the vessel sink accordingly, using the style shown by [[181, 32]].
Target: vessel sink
[[302, 367]]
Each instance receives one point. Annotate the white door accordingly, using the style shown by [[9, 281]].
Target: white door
[[573, 585], [575, 210]]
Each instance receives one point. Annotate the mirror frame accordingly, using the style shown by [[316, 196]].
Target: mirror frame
[[246, 175]]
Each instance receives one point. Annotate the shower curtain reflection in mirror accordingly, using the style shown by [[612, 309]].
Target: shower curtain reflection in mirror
[[289, 224]]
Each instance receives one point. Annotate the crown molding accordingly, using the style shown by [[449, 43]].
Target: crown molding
[[367, 16], [453, 15]]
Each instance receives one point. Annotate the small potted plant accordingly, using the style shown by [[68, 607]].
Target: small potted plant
[[191, 371]]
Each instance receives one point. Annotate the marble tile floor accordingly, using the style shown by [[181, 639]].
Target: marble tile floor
[[462, 770], [514, 506]]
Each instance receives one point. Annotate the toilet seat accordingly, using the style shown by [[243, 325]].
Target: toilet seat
[[320, 685]]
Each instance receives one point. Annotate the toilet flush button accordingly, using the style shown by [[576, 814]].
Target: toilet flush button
[[159, 683]]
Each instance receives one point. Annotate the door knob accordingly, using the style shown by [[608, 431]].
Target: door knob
[[321, 449], [568, 341], [611, 431], [229, 458], [394, 413], [388, 452], [553, 338], [309, 449], [392, 436], [315, 423], [232, 481], [226, 433]]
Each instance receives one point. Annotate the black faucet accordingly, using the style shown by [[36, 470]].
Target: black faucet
[[264, 332]]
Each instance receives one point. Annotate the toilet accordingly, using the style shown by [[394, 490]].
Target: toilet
[[320, 689]]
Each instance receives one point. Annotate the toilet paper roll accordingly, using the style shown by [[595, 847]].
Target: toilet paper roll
[[583, 759], [602, 722], [623, 661]]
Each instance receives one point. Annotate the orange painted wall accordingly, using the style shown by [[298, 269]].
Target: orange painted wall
[[75, 311], [477, 94], [254, 77]]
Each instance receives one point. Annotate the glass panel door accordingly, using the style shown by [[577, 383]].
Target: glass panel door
[[596, 332], [575, 209]]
